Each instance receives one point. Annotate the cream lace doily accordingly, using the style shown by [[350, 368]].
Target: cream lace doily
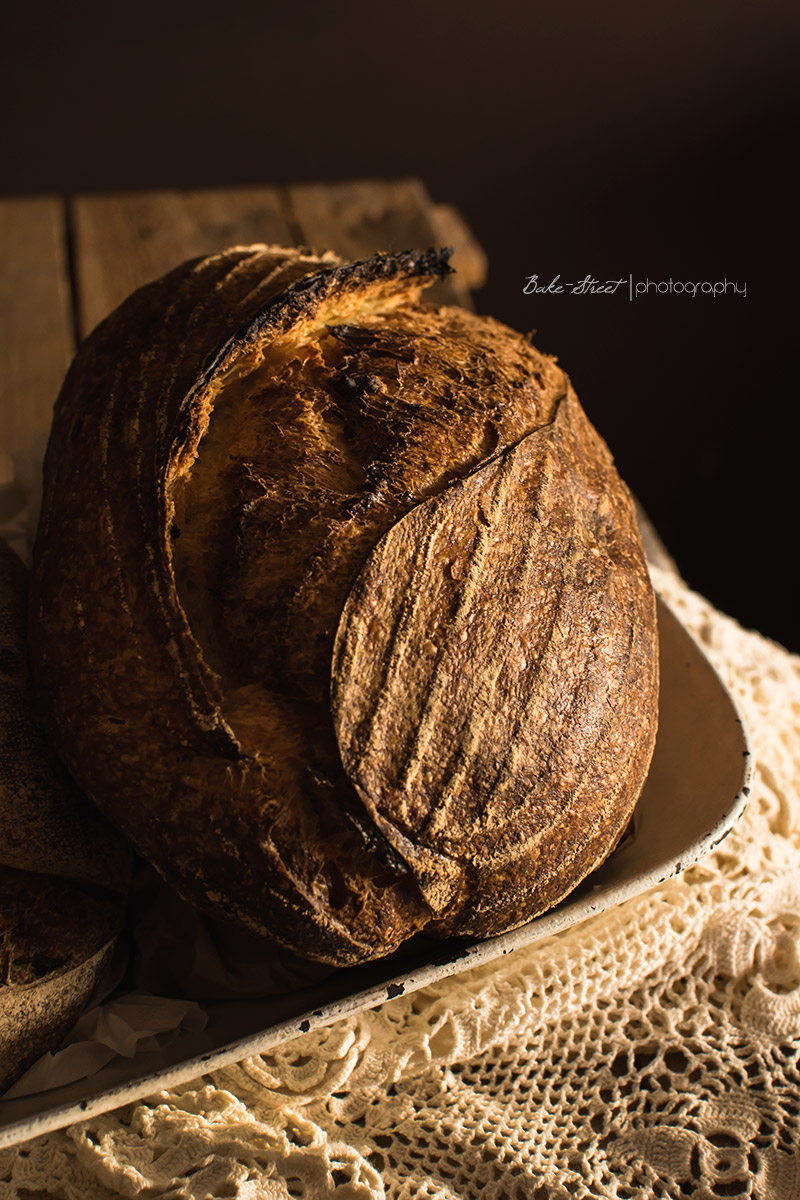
[[653, 1052]]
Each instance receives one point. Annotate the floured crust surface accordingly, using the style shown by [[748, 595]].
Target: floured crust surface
[[499, 758], [249, 464]]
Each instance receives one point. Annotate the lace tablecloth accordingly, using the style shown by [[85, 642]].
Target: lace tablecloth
[[650, 1052]]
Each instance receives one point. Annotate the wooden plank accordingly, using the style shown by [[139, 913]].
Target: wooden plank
[[469, 257], [364, 216], [36, 335], [124, 241]]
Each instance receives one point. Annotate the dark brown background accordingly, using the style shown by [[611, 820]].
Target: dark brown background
[[652, 139]]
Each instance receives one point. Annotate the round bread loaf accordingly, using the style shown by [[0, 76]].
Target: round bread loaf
[[340, 608], [63, 868]]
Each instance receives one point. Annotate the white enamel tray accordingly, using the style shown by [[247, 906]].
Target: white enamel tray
[[696, 789]]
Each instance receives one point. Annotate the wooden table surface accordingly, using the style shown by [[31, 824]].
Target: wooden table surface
[[66, 263]]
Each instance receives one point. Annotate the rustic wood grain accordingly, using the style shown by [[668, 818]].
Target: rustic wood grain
[[469, 258], [35, 324], [125, 241], [363, 217]]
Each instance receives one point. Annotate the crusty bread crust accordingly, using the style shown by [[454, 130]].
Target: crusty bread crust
[[63, 868], [46, 825], [55, 940], [262, 468]]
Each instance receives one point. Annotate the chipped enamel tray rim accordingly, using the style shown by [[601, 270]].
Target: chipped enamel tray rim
[[696, 790]]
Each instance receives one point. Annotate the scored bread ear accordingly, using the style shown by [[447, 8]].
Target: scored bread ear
[[480, 692]]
